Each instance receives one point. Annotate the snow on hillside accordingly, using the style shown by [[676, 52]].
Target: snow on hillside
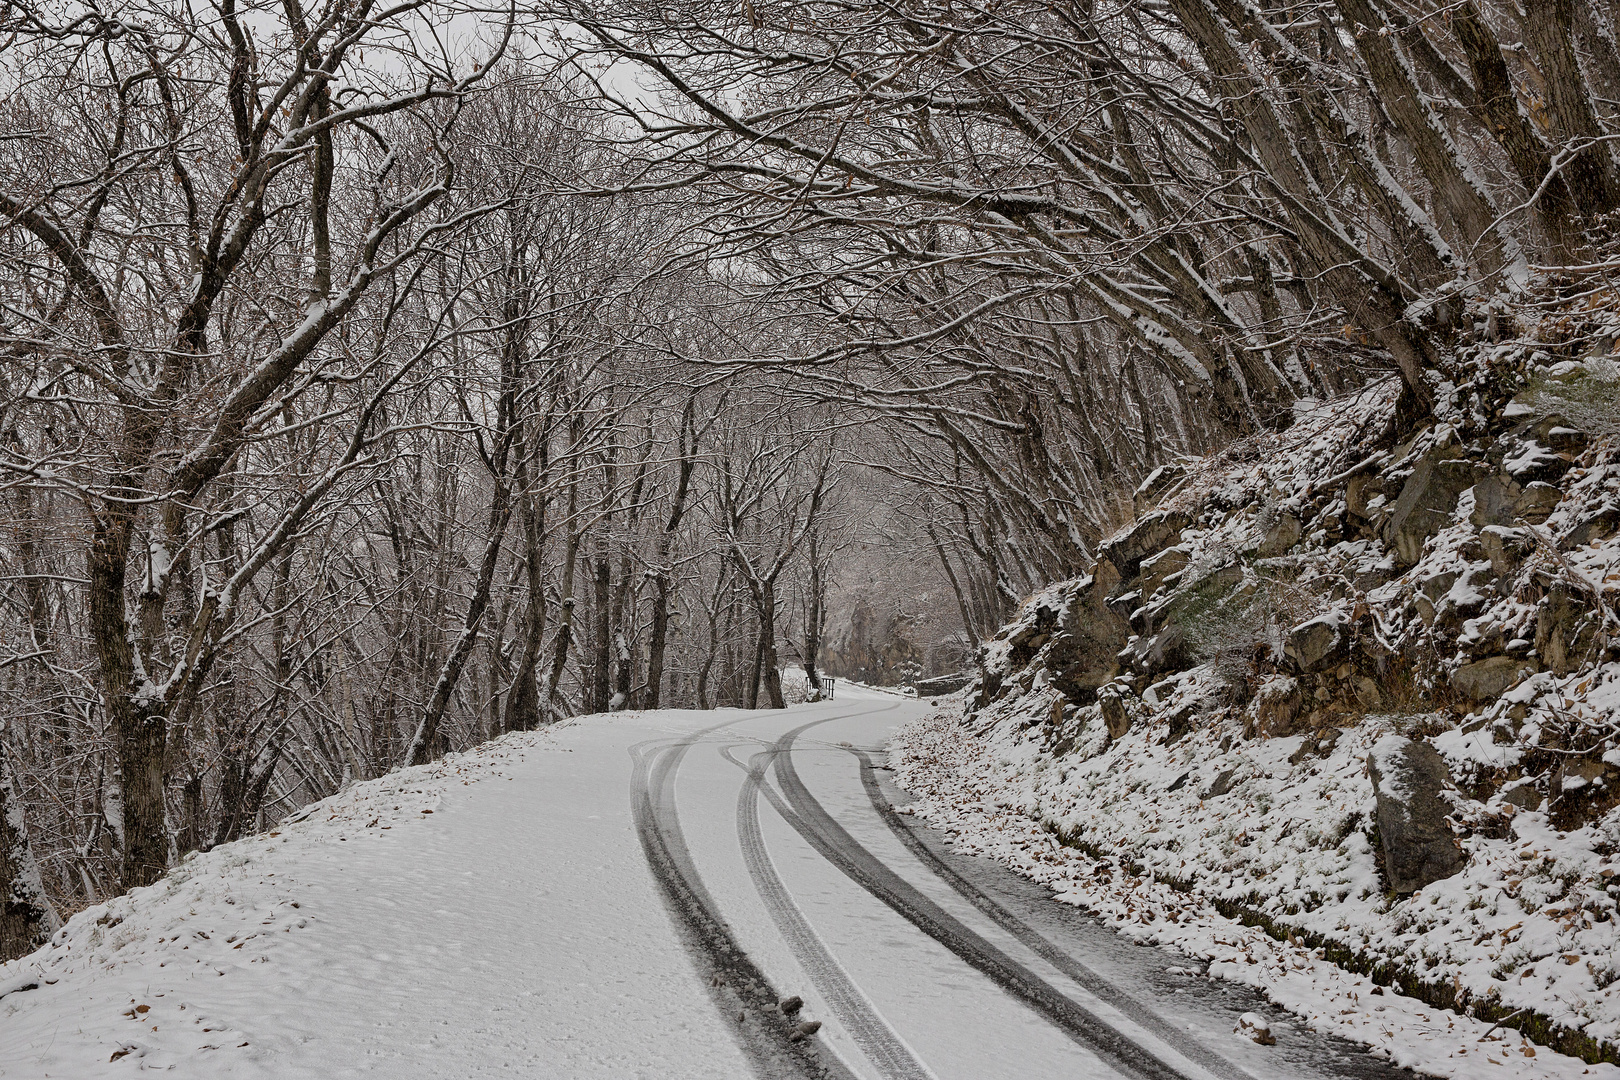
[[987, 797], [1201, 724], [220, 915]]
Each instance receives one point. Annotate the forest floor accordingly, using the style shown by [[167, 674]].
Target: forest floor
[[629, 896]]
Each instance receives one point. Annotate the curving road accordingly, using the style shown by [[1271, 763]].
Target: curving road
[[547, 906], [919, 963]]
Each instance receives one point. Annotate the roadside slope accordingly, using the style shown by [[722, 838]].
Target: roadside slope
[[428, 923]]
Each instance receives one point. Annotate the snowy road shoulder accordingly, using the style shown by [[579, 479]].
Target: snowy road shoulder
[[961, 790], [112, 982], [358, 939]]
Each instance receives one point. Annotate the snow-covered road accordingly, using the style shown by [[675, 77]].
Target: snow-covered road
[[625, 896]]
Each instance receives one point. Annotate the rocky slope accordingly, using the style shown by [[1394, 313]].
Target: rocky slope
[[1356, 683]]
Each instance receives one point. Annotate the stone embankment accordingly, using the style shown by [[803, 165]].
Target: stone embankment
[[1358, 682]]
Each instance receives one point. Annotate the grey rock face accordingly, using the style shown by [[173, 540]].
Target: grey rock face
[[1150, 655], [1157, 568], [1159, 482], [1276, 706], [1223, 783], [1284, 533], [1507, 548], [1426, 504], [1169, 609], [1538, 501], [1407, 778], [1149, 536], [1114, 714], [1598, 525], [1083, 653], [1316, 644], [1496, 501], [1566, 630], [1486, 680]]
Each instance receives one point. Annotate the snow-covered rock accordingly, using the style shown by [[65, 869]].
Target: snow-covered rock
[[1390, 739], [1408, 778]]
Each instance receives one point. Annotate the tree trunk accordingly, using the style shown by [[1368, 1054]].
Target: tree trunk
[[1549, 31], [27, 919], [424, 744], [663, 583], [138, 724], [523, 702], [815, 615], [602, 629], [1364, 289], [768, 671], [1468, 207]]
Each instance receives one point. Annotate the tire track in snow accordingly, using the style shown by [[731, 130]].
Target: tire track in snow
[[839, 848], [1037, 943], [882, 1045], [736, 984]]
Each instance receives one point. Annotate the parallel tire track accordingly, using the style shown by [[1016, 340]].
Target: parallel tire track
[[1032, 938], [736, 984], [876, 1039], [839, 848]]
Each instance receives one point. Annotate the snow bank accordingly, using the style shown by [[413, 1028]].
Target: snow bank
[[1135, 846], [1187, 729], [218, 914]]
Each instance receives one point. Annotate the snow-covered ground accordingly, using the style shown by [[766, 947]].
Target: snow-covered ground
[[992, 797], [595, 901], [489, 914]]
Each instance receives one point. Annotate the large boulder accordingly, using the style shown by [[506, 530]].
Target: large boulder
[[1567, 629], [1319, 643], [1599, 524], [1116, 717], [1282, 534], [1539, 447], [1496, 501], [1156, 569], [1275, 707], [1360, 490], [1149, 536], [1407, 778], [1506, 547], [1502, 500], [1426, 503], [1538, 501], [1529, 460], [1153, 654], [1081, 640], [1489, 679], [1189, 597]]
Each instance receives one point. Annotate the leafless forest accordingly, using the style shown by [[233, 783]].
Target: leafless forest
[[376, 378]]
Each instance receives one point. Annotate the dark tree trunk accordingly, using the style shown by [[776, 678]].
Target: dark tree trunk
[[756, 671], [1549, 31], [523, 703], [26, 917], [137, 720], [1499, 111], [663, 582], [815, 615], [602, 629]]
